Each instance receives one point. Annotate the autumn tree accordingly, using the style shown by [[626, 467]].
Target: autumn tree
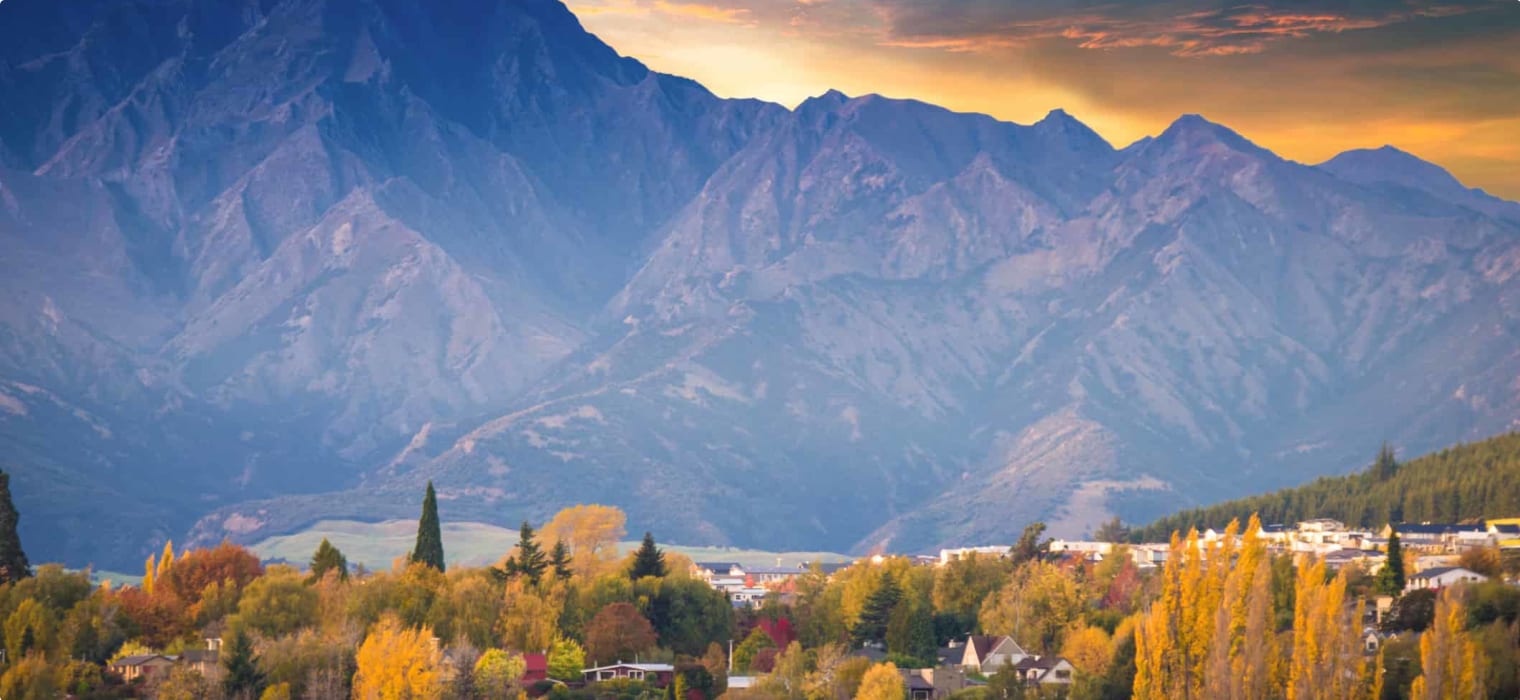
[[328, 558], [1037, 606], [882, 682], [1482, 560], [1327, 661], [716, 663], [962, 584], [1453, 665], [566, 660], [498, 675], [591, 532], [648, 560], [1089, 649], [429, 547], [179, 683], [13, 563], [1172, 641], [618, 633], [277, 603], [749, 649], [529, 619], [398, 663]]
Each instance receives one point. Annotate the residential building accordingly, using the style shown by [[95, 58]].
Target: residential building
[[1044, 670], [1441, 577], [137, 666], [948, 555], [933, 683], [987, 654], [535, 668], [710, 570], [658, 674]]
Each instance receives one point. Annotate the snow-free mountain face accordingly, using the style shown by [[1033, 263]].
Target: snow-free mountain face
[[267, 262]]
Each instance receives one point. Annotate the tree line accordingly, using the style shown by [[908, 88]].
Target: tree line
[[1460, 483]]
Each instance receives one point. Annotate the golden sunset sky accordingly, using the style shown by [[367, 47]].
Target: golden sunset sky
[[1305, 79]]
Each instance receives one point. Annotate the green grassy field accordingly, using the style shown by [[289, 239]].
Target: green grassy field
[[376, 545]]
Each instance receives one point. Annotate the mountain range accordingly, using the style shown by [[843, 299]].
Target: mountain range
[[267, 262]]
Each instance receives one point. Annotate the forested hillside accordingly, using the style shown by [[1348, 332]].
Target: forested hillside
[[1474, 480]]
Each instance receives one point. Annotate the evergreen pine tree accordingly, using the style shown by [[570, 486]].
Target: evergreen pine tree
[[1390, 579], [328, 558], [1385, 466], [429, 549], [648, 561], [875, 615], [13, 563], [242, 677], [559, 558], [530, 560]]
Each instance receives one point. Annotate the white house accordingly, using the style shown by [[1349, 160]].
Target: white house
[[987, 654], [1441, 577], [1045, 670]]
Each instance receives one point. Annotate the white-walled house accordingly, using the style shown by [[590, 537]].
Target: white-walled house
[[1441, 577]]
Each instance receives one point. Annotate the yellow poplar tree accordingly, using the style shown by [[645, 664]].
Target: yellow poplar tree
[[1452, 665], [149, 567], [165, 561], [398, 663], [1327, 661]]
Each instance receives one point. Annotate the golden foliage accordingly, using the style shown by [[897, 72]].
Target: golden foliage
[[882, 682], [592, 533], [398, 663], [1089, 649], [1453, 665]]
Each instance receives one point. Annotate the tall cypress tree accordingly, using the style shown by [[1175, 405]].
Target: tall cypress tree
[[242, 679], [530, 560], [429, 549], [13, 563], [1390, 579], [559, 558], [648, 561]]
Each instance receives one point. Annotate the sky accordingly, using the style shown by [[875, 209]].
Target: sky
[[1305, 79]]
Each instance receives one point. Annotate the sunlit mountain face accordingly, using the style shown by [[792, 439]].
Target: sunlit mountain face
[[266, 263]]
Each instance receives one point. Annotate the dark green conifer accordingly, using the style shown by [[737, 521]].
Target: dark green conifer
[[242, 677], [429, 549], [1390, 579], [648, 561], [559, 558], [530, 560], [1385, 466], [13, 563], [875, 615], [328, 558]]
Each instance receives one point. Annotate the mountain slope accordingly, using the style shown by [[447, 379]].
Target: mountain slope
[[268, 263]]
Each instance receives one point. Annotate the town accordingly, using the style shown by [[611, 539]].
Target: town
[[563, 615]]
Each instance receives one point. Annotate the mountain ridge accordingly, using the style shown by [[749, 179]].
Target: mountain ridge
[[299, 258]]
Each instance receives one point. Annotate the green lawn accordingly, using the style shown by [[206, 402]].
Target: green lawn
[[376, 545]]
